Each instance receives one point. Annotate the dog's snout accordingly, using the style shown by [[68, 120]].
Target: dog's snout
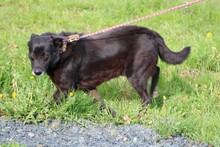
[[37, 72]]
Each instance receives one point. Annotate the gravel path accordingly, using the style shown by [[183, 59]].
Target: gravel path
[[56, 134]]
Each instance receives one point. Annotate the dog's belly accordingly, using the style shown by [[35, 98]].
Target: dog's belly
[[96, 78]]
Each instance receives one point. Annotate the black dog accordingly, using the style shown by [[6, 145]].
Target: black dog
[[130, 51]]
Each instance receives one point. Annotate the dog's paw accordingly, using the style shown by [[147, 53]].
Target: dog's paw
[[113, 113]]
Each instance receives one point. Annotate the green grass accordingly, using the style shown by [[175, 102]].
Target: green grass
[[189, 101]]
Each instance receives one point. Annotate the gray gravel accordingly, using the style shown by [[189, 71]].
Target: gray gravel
[[56, 133]]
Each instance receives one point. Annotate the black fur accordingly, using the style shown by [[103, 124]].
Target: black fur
[[130, 51]]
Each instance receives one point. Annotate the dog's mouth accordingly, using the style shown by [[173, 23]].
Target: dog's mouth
[[38, 72]]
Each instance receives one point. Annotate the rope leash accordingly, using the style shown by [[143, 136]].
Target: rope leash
[[77, 37]]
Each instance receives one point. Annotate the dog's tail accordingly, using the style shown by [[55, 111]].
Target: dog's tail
[[169, 56]]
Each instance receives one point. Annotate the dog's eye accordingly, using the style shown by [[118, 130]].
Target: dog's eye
[[32, 56], [46, 55]]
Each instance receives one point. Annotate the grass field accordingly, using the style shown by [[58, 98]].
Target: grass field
[[189, 94]]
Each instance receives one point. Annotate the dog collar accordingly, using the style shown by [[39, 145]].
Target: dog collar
[[71, 38], [74, 37]]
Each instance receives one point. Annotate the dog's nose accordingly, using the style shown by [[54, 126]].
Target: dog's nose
[[38, 73]]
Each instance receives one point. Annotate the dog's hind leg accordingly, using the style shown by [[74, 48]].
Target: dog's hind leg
[[154, 82], [94, 93], [139, 84]]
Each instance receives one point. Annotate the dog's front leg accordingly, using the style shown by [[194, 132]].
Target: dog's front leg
[[64, 82], [59, 94], [62, 91]]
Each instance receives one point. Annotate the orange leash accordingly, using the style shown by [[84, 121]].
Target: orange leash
[[77, 37]]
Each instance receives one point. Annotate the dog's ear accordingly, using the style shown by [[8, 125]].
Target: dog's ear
[[32, 36], [57, 41]]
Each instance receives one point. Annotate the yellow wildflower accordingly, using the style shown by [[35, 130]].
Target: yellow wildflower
[[71, 94], [214, 48], [15, 46], [209, 35], [24, 61], [13, 94], [1, 95], [32, 77], [164, 97]]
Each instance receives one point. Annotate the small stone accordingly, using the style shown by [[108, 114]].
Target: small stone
[[81, 140], [48, 131], [55, 124], [74, 130], [40, 145], [19, 130], [7, 128], [125, 139], [30, 134], [2, 118], [135, 139]]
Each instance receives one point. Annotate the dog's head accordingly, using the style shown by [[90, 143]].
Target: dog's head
[[44, 52]]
